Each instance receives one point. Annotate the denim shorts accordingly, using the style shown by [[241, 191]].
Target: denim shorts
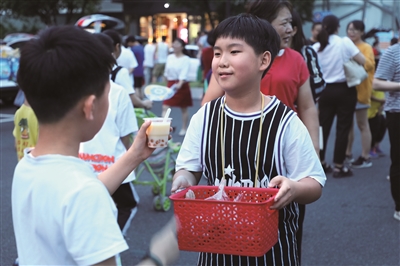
[[360, 106]]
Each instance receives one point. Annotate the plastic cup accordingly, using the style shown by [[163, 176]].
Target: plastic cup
[[158, 132]]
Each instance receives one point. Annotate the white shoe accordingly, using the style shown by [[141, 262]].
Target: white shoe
[[388, 177], [182, 132], [396, 215]]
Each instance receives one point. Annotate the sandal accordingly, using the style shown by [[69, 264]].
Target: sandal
[[343, 171], [327, 168]]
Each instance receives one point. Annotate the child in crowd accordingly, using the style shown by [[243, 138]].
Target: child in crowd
[[377, 122], [26, 129], [62, 211], [112, 141], [226, 133]]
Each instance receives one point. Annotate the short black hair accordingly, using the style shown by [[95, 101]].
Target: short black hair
[[114, 35], [106, 40], [315, 24], [59, 68], [130, 38], [268, 9], [256, 32], [357, 24], [210, 38]]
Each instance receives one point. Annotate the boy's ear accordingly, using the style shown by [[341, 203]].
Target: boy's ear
[[88, 107], [265, 60]]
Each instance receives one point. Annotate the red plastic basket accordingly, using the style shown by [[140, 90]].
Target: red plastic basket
[[247, 228]]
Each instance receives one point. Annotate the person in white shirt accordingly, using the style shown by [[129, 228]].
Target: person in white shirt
[[62, 210], [337, 99], [148, 63], [111, 142], [122, 74], [127, 60], [176, 73], [161, 58]]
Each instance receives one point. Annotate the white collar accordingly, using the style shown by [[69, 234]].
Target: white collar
[[281, 52]]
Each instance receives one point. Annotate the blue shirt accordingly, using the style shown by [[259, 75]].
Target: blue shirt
[[138, 50]]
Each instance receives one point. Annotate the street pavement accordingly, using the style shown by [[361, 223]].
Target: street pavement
[[351, 224]]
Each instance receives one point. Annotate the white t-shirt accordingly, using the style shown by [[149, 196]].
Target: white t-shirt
[[149, 55], [124, 79], [177, 68], [127, 59], [62, 214], [336, 53], [162, 52], [298, 158], [106, 146], [203, 41]]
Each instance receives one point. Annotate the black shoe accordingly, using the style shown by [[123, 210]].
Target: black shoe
[[342, 172], [361, 162], [327, 168]]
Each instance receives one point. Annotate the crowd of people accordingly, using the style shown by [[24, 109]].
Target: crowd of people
[[267, 85]]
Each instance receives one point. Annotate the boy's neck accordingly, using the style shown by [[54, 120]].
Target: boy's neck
[[55, 139], [248, 102]]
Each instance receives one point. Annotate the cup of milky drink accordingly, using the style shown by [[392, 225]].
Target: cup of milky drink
[[158, 132]]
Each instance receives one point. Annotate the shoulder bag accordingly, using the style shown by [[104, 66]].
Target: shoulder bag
[[354, 72]]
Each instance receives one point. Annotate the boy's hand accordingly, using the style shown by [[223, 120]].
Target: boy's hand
[[180, 182], [139, 145], [147, 104], [286, 193]]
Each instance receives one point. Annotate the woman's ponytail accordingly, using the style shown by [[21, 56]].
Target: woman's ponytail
[[323, 39], [330, 25]]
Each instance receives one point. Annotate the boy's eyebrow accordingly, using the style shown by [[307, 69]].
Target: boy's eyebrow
[[229, 46]]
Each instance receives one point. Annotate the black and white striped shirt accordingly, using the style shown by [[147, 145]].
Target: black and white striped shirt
[[286, 150], [389, 69]]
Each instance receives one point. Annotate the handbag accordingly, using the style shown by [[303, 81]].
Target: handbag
[[354, 72]]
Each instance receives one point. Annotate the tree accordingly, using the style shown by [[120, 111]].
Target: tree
[[48, 10], [304, 8], [218, 10]]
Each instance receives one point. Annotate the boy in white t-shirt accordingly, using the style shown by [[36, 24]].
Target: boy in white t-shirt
[[112, 141], [62, 211], [122, 76]]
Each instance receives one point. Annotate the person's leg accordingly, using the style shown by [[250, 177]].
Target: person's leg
[[155, 73], [373, 127], [147, 75], [327, 111], [138, 87], [345, 113], [363, 125], [393, 126], [381, 130], [126, 203], [164, 109], [349, 149], [185, 120]]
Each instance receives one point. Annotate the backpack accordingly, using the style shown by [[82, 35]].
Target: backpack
[[114, 73], [317, 82]]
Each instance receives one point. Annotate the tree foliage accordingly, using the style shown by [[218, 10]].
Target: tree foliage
[[221, 9], [48, 10]]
